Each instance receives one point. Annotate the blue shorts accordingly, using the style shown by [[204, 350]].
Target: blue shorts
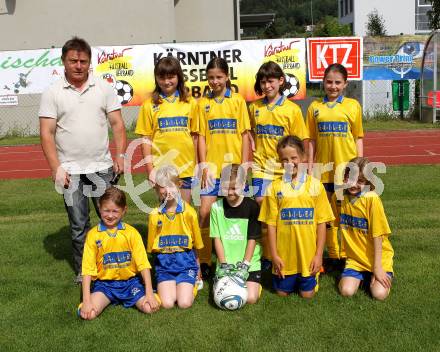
[[259, 186], [211, 191], [178, 266], [364, 276], [186, 182], [127, 292], [216, 191], [294, 283]]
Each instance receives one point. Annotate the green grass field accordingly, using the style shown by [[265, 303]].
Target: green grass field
[[38, 298]]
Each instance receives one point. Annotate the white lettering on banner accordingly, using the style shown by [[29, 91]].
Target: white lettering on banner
[[346, 55], [322, 51]]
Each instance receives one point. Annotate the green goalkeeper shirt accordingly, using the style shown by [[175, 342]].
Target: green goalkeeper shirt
[[235, 226]]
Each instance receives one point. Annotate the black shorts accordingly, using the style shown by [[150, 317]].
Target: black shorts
[[255, 276]]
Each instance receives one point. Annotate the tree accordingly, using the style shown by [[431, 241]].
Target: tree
[[375, 24], [330, 27], [270, 32], [291, 16], [434, 14]]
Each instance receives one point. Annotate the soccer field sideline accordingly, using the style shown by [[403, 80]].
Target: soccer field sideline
[[389, 147]]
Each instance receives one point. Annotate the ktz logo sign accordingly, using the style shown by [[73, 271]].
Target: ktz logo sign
[[322, 52]]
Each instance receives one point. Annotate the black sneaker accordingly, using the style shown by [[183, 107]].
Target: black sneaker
[[206, 271], [266, 264]]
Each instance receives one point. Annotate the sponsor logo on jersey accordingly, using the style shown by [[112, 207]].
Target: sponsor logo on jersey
[[270, 130], [297, 213], [333, 127], [355, 222], [222, 126], [117, 258], [297, 216], [234, 233], [173, 241], [176, 123]]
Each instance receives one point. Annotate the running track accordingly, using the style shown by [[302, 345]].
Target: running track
[[390, 147]]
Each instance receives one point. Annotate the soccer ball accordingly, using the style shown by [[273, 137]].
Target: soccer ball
[[230, 293], [291, 87], [124, 91]]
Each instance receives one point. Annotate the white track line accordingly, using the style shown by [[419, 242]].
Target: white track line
[[401, 156], [28, 170]]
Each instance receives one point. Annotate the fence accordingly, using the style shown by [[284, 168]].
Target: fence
[[22, 120], [374, 96], [379, 100], [384, 59]]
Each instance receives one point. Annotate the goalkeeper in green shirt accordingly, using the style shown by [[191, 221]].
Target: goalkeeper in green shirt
[[236, 231]]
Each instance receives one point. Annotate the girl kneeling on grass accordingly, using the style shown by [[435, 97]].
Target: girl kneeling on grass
[[361, 217], [113, 256], [173, 235]]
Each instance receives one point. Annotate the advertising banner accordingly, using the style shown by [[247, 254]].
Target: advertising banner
[[322, 52], [29, 71], [129, 69], [393, 57]]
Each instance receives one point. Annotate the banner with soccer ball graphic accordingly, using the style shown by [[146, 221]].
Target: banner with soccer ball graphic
[[130, 68]]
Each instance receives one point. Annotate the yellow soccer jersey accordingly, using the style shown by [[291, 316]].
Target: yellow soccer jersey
[[110, 255], [169, 125], [335, 127], [169, 233], [361, 219], [296, 208], [222, 122], [270, 123]]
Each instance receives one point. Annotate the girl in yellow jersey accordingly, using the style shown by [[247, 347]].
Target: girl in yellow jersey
[[364, 226], [114, 256], [168, 123], [173, 236], [223, 139], [296, 210], [272, 117], [335, 128]]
